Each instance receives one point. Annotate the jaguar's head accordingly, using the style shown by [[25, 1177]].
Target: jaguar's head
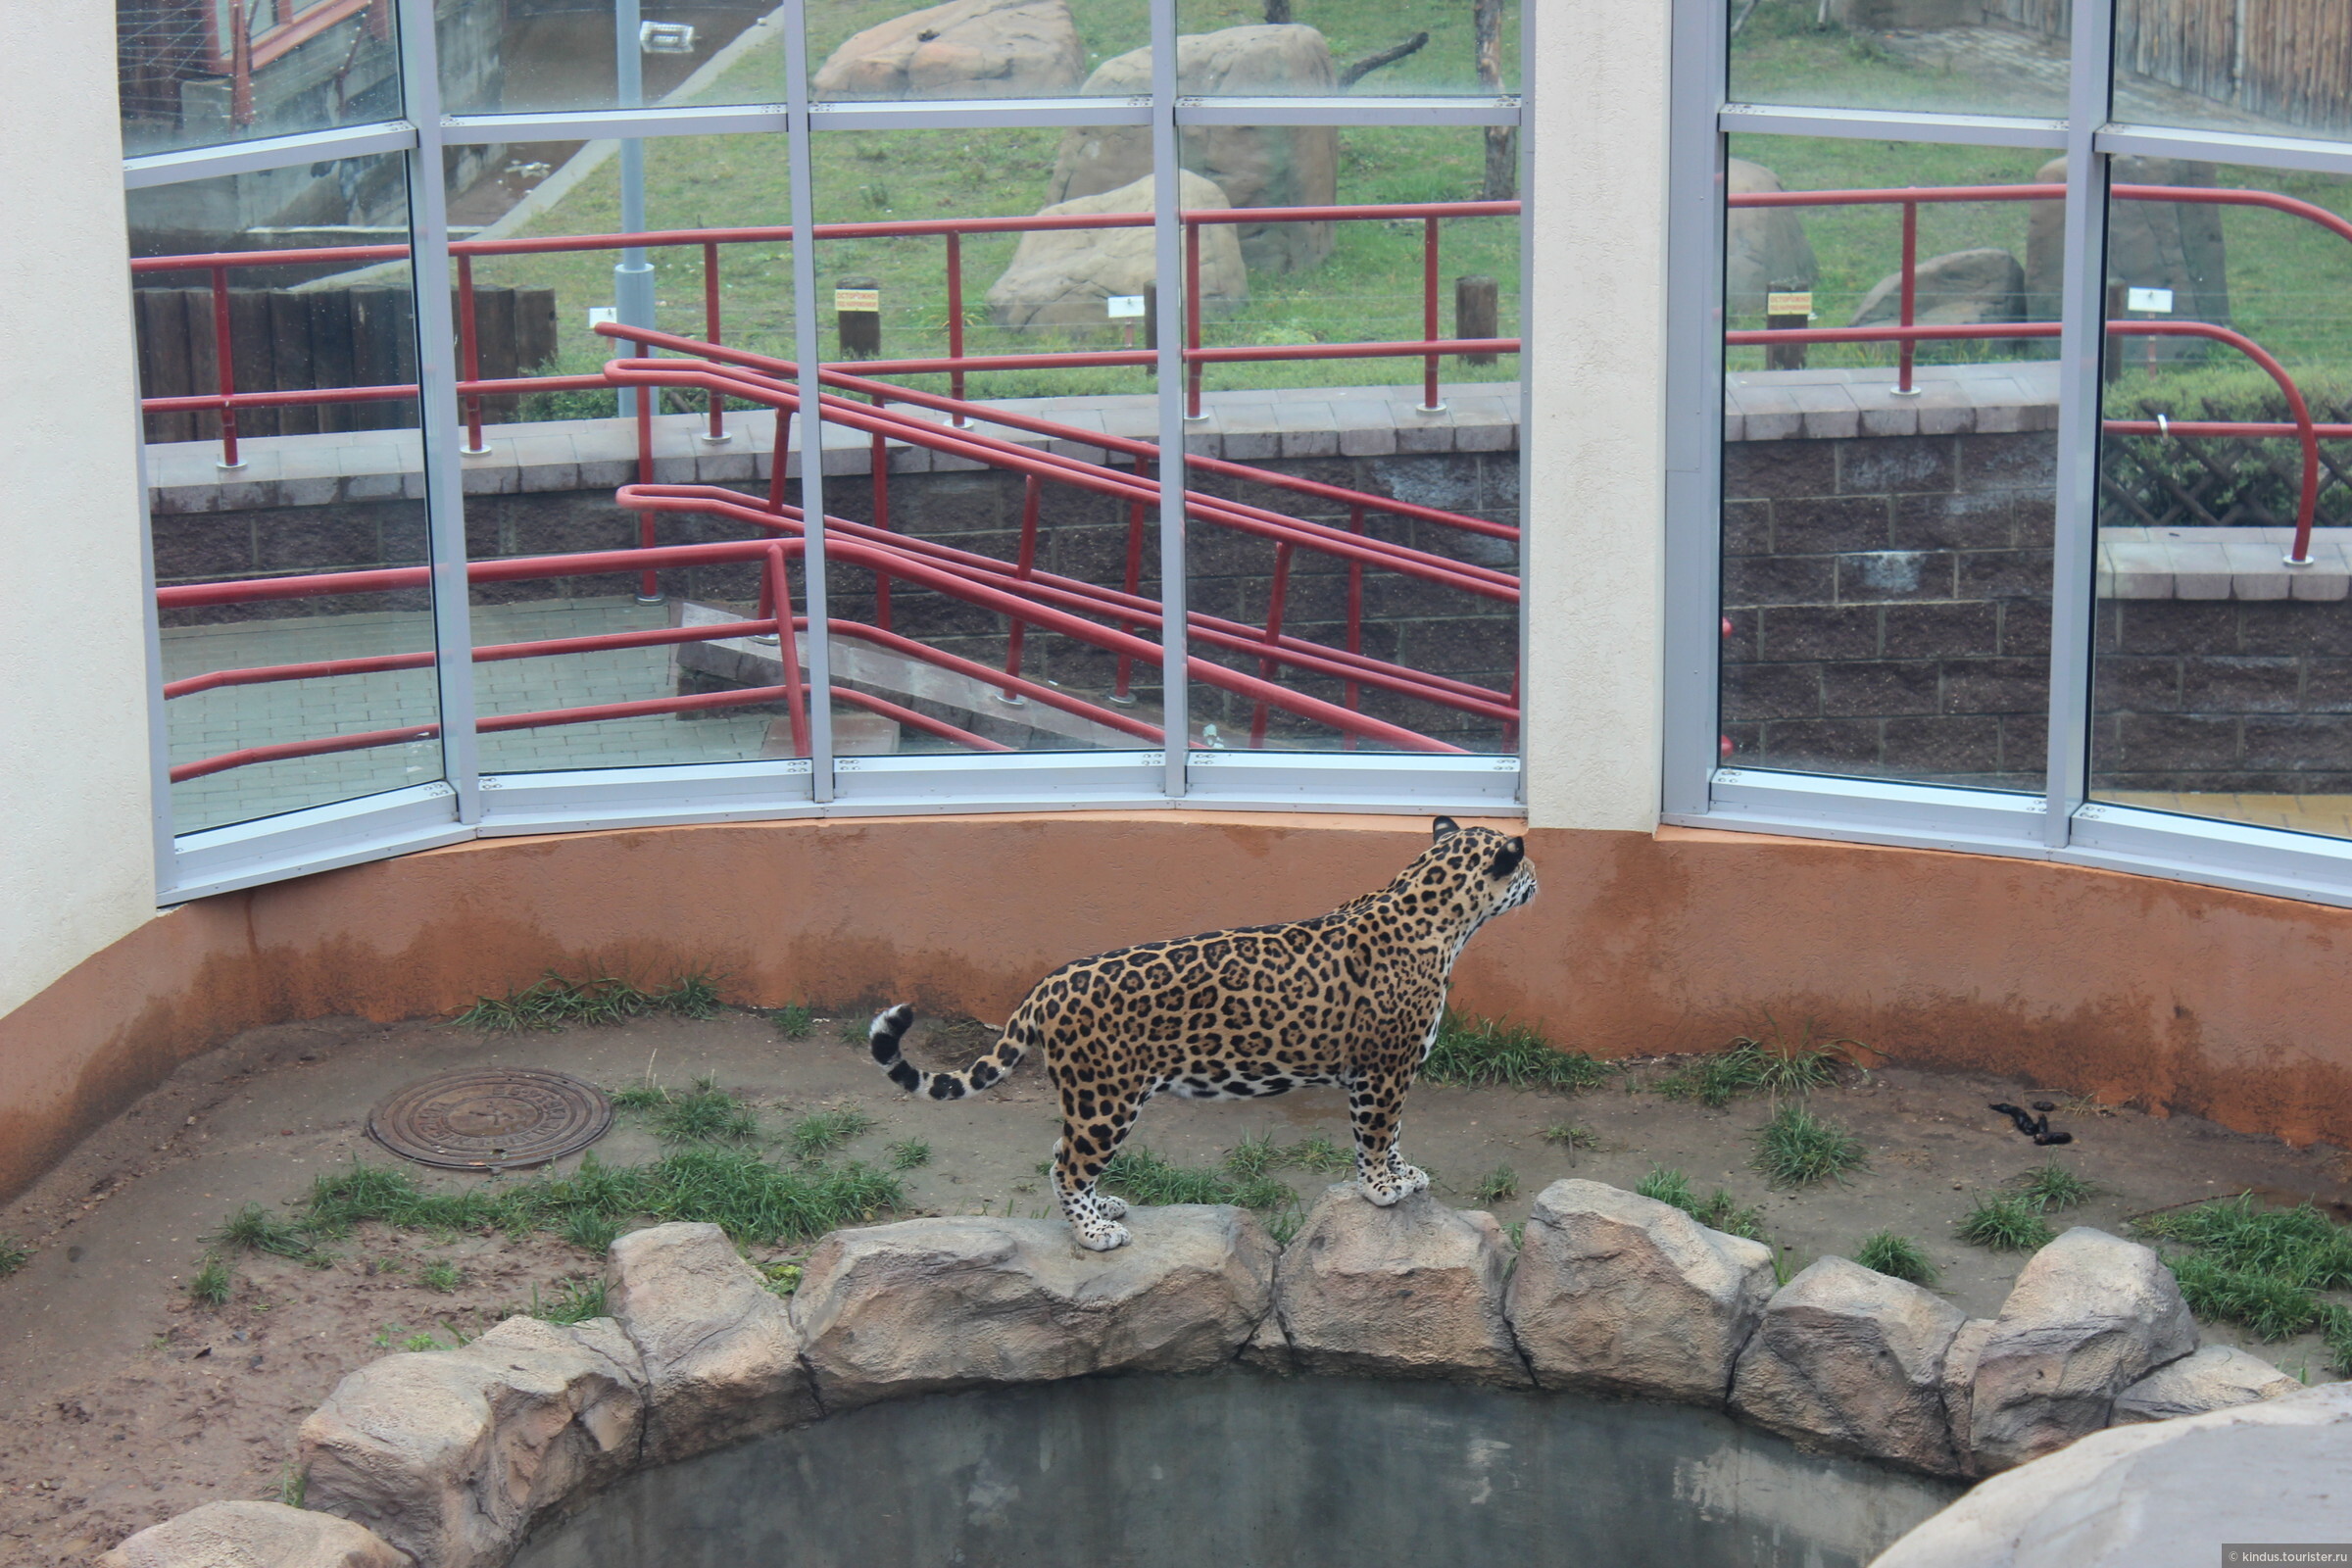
[[1479, 872]]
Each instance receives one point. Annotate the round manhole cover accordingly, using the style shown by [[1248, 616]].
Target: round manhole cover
[[491, 1118]]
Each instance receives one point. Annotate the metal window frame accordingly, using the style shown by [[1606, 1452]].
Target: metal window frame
[[2061, 825], [468, 802]]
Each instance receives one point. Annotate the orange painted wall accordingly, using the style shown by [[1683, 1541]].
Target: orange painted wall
[[2226, 1005]]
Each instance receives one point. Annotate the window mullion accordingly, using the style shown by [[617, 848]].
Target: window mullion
[[810, 428], [2084, 314], [437, 409], [1168, 232]]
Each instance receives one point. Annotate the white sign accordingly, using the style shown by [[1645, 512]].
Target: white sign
[[598, 315], [1124, 305], [665, 37], [2149, 299]]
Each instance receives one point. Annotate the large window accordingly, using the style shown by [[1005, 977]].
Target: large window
[[2022, 429], [638, 413]]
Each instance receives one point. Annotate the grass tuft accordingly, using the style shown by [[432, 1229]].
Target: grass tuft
[[639, 1097], [1474, 1052], [1498, 1185], [576, 1302], [12, 1255], [553, 1001], [211, 1286], [1318, 1153], [709, 1114], [1773, 1062], [1571, 1135], [440, 1275], [1719, 1211], [2053, 1186], [255, 1228], [908, 1154], [1142, 1176], [822, 1132], [590, 1231], [1667, 1185], [1796, 1149], [2262, 1267], [1897, 1256], [2006, 1222], [793, 1021]]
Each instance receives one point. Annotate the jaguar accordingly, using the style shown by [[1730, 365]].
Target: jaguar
[[1352, 998]]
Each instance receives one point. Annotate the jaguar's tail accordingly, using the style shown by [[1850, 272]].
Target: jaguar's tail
[[888, 1028]]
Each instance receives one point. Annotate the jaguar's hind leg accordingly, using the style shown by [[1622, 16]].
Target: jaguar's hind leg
[[1080, 1154]]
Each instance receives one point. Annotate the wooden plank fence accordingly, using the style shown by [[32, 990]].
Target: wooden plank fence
[[2285, 61], [285, 340]]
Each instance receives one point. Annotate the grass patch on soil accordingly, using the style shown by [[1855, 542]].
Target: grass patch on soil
[[1772, 1061], [1796, 1149], [212, 1282], [1473, 1052], [255, 1228], [1898, 1257], [2261, 1268], [2006, 1222], [793, 1021], [822, 1132], [756, 1203], [12, 1255], [1498, 1185], [908, 1154], [704, 1114], [2053, 1186], [1719, 1211], [1245, 1177], [555, 1002]]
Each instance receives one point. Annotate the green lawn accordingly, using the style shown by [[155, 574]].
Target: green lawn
[[1368, 290]]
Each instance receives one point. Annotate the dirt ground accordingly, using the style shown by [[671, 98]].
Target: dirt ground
[[121, 1403]]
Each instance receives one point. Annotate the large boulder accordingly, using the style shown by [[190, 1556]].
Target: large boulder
[[2215, 1378], [928, 1305], [1620, 1294], [1959, 1385], [1852, 1362], [255, 1534], [1255, 165], [2173, 245], [2161, 1494], [451, 1454], [1061, 278], [963, 49], [721, 1360], [1966, 288], [1764, 248], [1413, 1290], [2089, 1315]]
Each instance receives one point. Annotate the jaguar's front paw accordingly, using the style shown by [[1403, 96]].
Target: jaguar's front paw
[[1111, 1207], [1104, 1237], [1382, 1192], [1410, 1179]]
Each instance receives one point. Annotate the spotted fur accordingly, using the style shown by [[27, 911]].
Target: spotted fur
[[1352, 998]]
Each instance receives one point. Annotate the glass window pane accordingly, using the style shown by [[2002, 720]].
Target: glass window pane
[[2223, 676], [1886, 553], [884, 49], [994, 516], [202, 73], [2283, 67], [608, 685], [283, 687], [1973, 56], [605, 54], [1382, 580], [1468, 48]]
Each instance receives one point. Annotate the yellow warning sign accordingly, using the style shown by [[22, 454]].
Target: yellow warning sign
[[1788, 303], [857, 299]]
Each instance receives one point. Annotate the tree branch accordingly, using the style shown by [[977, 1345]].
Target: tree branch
[[1386, 57]]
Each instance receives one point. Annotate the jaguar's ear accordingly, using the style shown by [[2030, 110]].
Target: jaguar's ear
[[1507, 858], [1442, 826]]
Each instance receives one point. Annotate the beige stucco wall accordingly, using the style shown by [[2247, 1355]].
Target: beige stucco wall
[[1595, 504], [77, 864]]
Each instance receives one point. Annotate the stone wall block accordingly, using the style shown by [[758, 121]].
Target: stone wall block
[[2215, 1378], [1619, 1294], [450, 1455], [255, 1534], [1415, 1289], [1850, 1361], [722, 1361], [2089, 1315], [928, 1305]]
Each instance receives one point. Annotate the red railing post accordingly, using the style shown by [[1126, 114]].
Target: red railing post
[[1429, 314], [470, 352], [1267, 667], [649, 582], [778, 591], [955, 317], [880, 461], [1910, 275], [718, 423], [1133, 581], [225, 373], [1192, 320], [1031, 494]]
